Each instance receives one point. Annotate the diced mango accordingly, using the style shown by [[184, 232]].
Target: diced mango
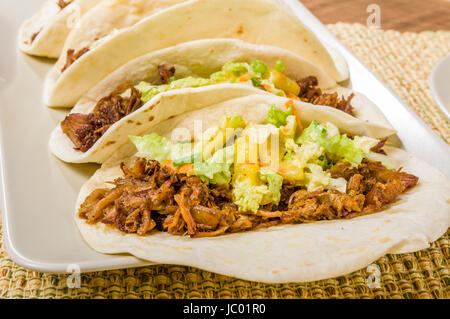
[[282, 82]]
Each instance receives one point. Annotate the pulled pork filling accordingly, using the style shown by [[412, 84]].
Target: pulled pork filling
[[33, 36], [309, 92], [165, 73], [154, 196], [85, 129], [72, 56], [64, 3]]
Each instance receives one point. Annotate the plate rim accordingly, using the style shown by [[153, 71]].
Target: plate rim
[[432, 84]]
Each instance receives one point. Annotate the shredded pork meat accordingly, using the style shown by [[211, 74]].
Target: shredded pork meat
[[85, 129], [72, 56], [64, 3], [166, 73], [33, 36], [154, 196], [309, 92]]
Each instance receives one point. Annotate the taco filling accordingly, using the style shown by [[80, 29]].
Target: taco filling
[[241, 176], [85, 129], [64, 3]]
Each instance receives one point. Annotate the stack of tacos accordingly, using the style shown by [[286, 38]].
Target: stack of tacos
[[229, 141]]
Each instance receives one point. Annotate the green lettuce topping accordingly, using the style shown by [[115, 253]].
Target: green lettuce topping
[[274, 182], [338, 145], [277, 116], [257, 73], [216, 169], [153, 146], [236, 68], [247, 196], [259, 67], [188, 159], [148, 91], [279, 66], [156, 147], [250, 194]]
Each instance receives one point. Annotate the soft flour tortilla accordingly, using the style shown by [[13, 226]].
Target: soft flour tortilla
[[254, 21], [53, 25], [288, 253], [200, 58], [236, 100], [111, 15]]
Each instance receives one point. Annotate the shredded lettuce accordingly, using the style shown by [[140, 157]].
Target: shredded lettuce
[[323, 162], [386, 161], [257, 74], [256, 82], [188, 159], [236, 68], [290, 128], [259, 67], [339, 184], [220, 76], [274, 182], [156, 147], [148, 91], [189, 82], [247, 196], [153, 146], [277, 116], [338, 145], [250, 196], [365, 143], [279, 66], [316, 178], [234, 122], [293, 165], [216, 169]]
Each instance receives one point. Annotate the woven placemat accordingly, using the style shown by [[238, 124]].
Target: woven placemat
[[404, 61]]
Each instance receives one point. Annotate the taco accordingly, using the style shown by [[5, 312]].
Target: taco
[[126, 95], [254, 21], [108, 18], [44, 34], [263, 188]]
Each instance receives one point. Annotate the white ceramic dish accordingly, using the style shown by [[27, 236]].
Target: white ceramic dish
[[39, 191], [439, 82]]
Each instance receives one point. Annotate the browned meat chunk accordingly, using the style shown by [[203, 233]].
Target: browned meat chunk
[[64, 3], [166, 73], [85, 129], [309, 92], [72, 56], [378, 148]]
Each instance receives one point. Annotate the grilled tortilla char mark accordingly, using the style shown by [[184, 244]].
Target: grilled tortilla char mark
[[72, 56], [310, 93], [154, 196], [85, 129]]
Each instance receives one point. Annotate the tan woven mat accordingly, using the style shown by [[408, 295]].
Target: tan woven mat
[[404, 62]]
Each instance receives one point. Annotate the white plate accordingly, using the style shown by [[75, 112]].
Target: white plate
[[39, 191], [440, 84]]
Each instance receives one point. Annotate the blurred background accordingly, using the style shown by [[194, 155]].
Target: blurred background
[[400, 15]]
